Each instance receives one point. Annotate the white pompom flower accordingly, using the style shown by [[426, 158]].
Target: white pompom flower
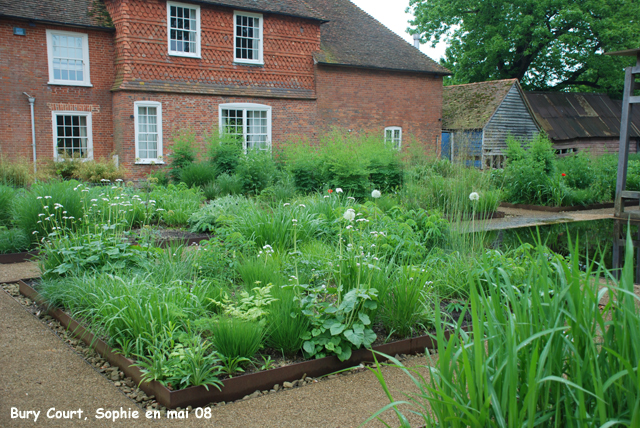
[[376, 194], [349, 215], [474, 196]]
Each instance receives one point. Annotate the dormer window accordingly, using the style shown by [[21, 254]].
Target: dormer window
[[247, 40], [183, 21]]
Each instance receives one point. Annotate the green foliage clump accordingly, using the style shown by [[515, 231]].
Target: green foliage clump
[[16, 172], [237, 337], [13, 241], [174, 204], [7, 195], [197, 174], [218, 212], [225, 152], [256, 171], [341, 160], [48, 205], [97, 171], [184, 152]]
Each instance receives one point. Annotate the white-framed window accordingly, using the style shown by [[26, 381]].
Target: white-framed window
[[68, 55], [250, 122], [183, 29], [393, 135], [72, 137], [148, 124], [247, 40]]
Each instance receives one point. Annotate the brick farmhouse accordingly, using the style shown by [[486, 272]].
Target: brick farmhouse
[[124, 76]]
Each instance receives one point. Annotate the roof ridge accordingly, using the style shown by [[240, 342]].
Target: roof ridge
[[513, 79]]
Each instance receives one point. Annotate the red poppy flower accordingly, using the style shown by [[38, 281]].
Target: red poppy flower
[[564, 175], [330, 190]]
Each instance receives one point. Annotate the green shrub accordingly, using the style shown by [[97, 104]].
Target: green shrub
[[16, 172], [13, 241], [256, 171], [175, 204], [96, 171], [184, 152], [578, 170], [237, 338], [225, 152], [48, 205], [197, 174], [7, 194], [286, 322], [218, 212], [547, 352], [160, 177], [227, 184]]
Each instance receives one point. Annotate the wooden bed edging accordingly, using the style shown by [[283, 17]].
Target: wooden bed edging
[[6, 259], [234, 388]]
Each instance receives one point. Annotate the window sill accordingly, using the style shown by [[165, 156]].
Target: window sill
[[149, 162], [182, 55], [86, 85], [250, 64]]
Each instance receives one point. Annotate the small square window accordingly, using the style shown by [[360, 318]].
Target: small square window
[[72, 135], [183, 29], [68, 58], [247, 40], [393, 135], [148, 124]]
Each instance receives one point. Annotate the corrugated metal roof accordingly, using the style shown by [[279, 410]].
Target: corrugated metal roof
[[568, 115]]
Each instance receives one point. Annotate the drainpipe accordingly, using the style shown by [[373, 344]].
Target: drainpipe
[[416, 41], [32, 101]]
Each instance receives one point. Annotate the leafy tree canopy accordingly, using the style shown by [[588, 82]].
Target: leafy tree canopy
[[546, 44]]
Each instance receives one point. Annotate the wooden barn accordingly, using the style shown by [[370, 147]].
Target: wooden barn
[[477, 118], [583, 121]]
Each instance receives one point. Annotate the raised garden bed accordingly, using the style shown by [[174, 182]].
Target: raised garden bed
[[18, 257], [234, 388]]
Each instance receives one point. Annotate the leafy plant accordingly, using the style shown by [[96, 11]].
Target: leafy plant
[[7, 194], [235, 337], [184, 152], [197, 174], [255, 171], [233, 365], [217, 213], [338, 327], [550, 352], [98, 171], [13, 241], [250, 306], [175, 203], [286, 323]]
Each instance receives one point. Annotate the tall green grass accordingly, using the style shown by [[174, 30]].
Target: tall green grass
[[541, 352]]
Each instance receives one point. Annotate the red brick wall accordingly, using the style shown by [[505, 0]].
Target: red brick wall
[[142, 51], [24, 68], [290, 119], [370, 100]]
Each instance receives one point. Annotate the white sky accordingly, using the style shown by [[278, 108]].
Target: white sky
[[392, 14]]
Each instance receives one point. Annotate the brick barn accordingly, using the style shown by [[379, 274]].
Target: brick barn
[[124, 76]]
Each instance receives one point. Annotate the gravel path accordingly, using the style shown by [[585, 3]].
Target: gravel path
[[38, 371]]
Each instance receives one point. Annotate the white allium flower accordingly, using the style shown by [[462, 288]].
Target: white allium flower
[[349, 227], [351, 197], [338, 190], [39, 197], [302, 205], [474, 196], [349, 215], [286, 204], [376, 194], [326, 196], [47, 197]]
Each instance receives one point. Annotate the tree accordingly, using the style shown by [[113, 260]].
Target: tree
[[546, 44]]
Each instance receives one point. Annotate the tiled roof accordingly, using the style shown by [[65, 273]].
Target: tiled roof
[[299, 8], [471, 106], [354, 38], [69, 12], [569, 115]]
